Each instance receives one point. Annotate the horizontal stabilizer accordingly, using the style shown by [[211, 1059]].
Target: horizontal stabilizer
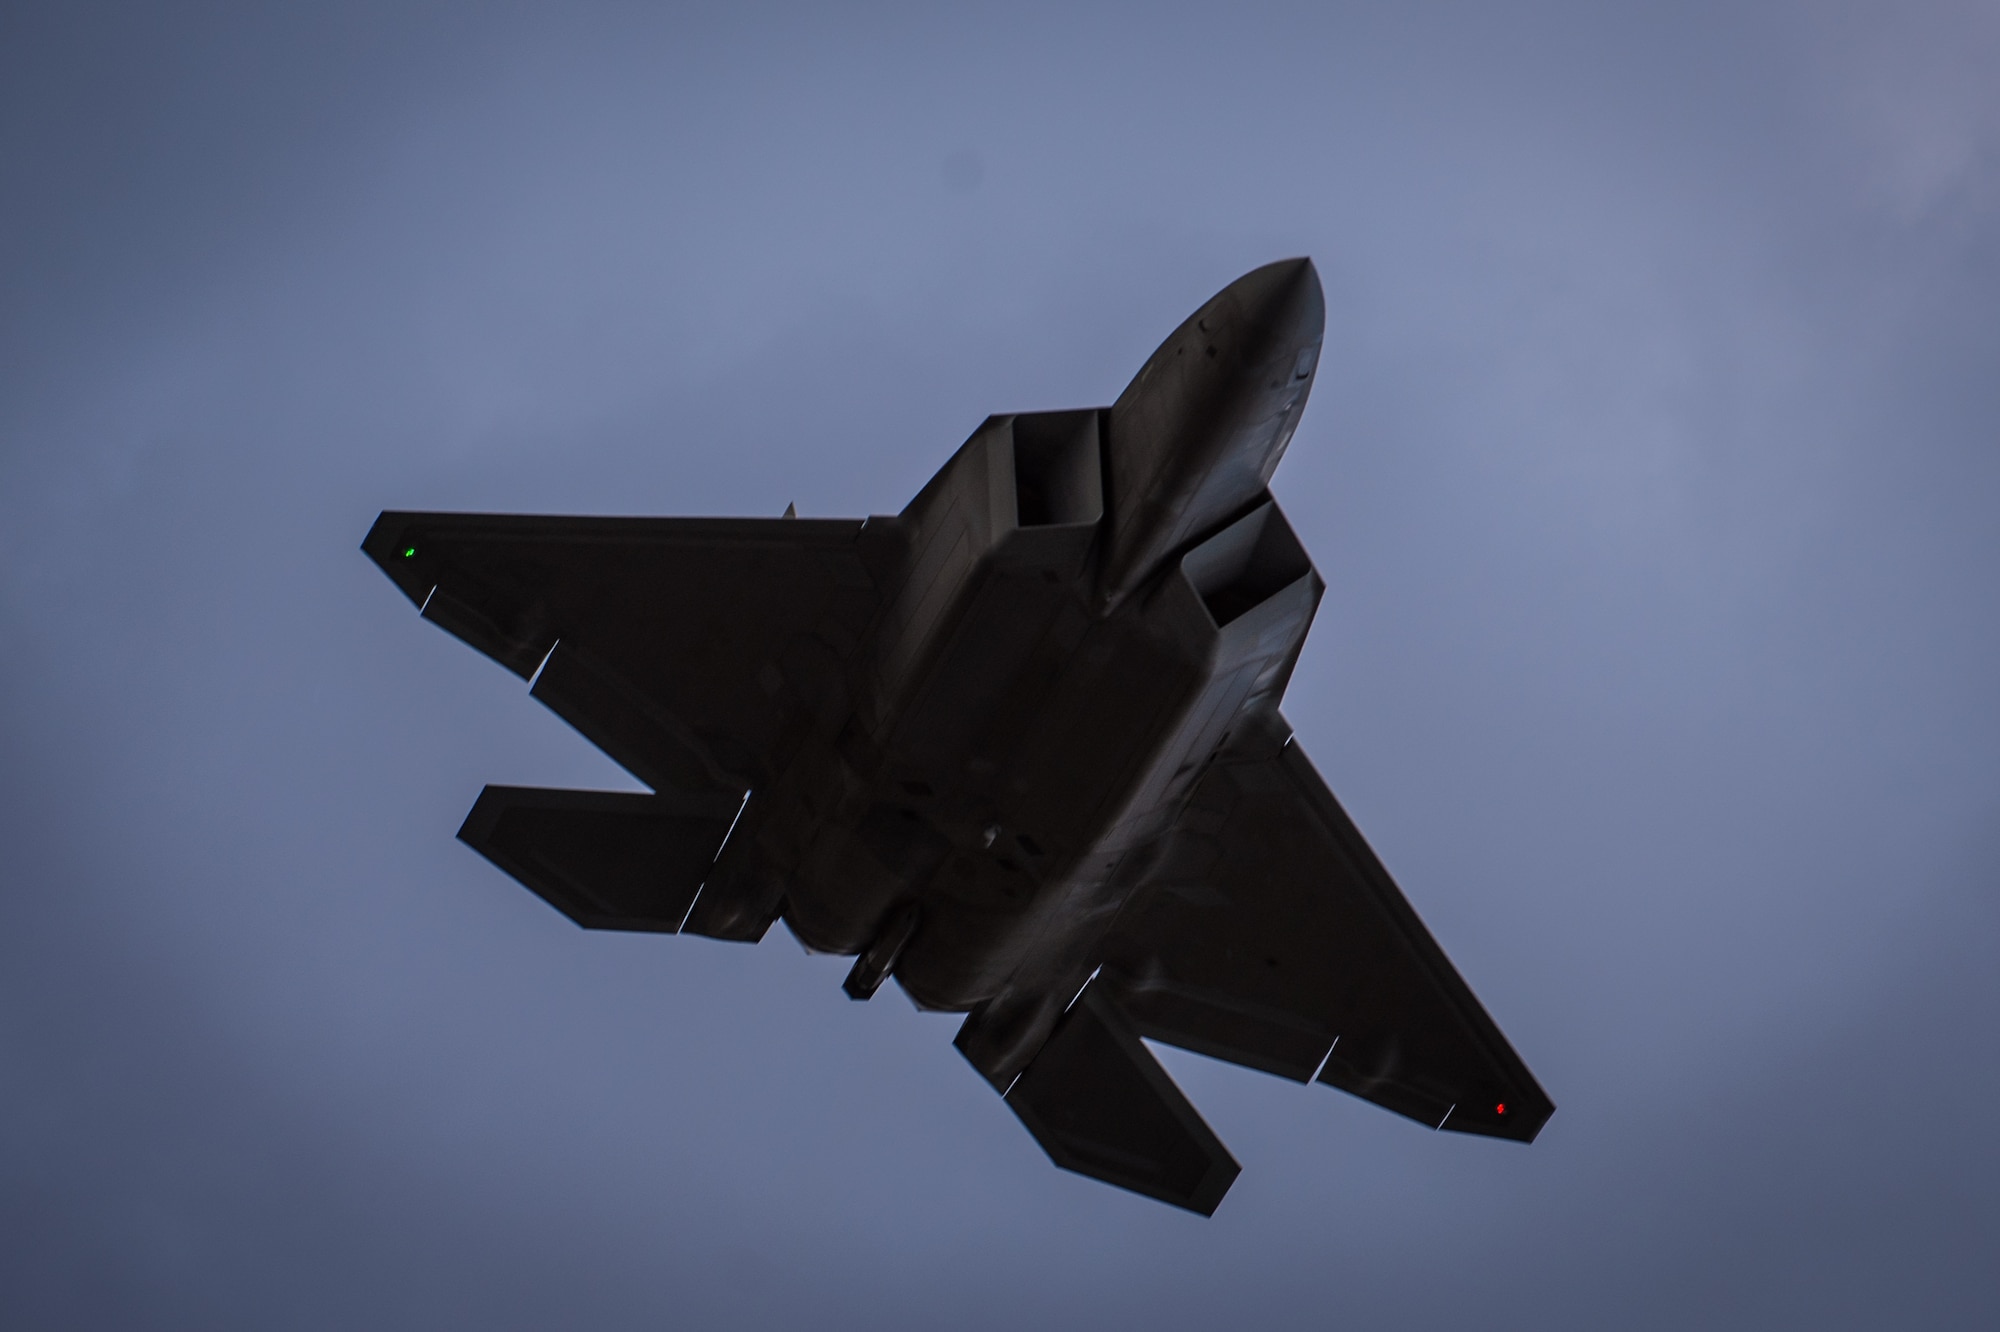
[[1101, 1105], [609, 860]]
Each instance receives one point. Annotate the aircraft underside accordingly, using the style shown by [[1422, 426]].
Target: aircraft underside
[[1018, 747]]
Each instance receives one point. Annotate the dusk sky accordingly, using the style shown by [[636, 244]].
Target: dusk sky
[[1653, 467]]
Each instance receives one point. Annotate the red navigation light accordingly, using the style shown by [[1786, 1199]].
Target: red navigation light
[[1500, 1109]]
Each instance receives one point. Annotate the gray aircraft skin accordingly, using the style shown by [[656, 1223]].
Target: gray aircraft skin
[[1018, 747]]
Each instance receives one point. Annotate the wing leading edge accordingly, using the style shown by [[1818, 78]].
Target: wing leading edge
[[1273, 937], [695, 651]]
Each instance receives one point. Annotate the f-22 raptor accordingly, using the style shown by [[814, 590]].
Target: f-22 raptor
[[1017, 746]]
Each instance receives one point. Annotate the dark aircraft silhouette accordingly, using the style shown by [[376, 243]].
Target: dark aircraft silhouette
[[1017, 746]]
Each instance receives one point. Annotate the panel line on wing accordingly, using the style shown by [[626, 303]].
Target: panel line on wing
[[690, 911], [543, 664], [740, 806], [1322, 1062], [1081, 988]]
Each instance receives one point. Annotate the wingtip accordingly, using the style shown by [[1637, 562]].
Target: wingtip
[[399, 554]]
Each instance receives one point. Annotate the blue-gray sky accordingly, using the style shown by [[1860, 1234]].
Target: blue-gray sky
[[1653, 469]]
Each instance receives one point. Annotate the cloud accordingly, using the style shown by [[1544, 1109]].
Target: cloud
[[1650, 468]]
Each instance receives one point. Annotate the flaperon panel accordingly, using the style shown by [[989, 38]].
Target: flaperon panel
[[1101, 1105], [1016, 747], [623, 721]]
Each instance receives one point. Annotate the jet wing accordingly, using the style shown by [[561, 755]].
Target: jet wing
[[694, 651], [1271, 936]]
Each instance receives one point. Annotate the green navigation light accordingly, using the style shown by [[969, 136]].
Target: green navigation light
[[409, 552]]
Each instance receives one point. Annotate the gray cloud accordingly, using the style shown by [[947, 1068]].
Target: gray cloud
[[1651, 470]]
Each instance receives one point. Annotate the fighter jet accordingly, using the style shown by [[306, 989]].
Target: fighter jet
[[1018, 746]]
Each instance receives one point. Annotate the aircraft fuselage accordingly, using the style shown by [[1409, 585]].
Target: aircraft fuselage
[[1043, 687]]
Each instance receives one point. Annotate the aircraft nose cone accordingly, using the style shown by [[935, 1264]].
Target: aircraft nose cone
[[1282, 303], [1201, 427]]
